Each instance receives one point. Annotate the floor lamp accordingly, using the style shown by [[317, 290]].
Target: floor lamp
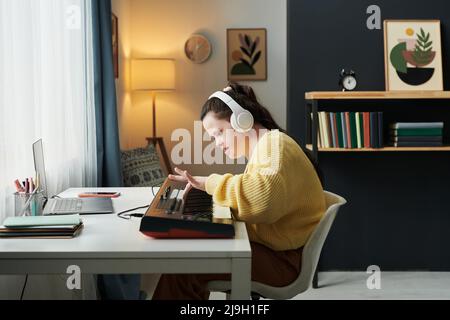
[[154, 76]]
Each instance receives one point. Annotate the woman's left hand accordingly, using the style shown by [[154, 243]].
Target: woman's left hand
[[192, 182]]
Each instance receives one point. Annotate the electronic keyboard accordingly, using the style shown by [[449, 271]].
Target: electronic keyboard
[[174, 214]]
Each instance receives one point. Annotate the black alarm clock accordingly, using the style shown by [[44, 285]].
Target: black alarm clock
[[347, 80]]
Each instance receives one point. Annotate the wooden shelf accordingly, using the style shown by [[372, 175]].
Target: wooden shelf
[[385, 149], [341, 95]]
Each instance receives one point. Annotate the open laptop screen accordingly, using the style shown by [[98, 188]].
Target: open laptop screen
[[38, 155]]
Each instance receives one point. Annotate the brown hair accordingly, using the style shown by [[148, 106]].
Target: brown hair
[[245, 97]]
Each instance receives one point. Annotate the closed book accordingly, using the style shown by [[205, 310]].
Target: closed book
[[380, 130], [358, 131], [336, 139], [328, 130], [344, 129], [373, 130], [354, 140], [322, 129], [418, 144], [416, 138], [325, 129], [333, 136], [42, 221], [366, 122], [417, 132], [416, 125], [339, 129], [348, 129], [361, 128]]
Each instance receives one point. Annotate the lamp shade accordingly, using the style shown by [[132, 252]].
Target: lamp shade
[[153, 74]]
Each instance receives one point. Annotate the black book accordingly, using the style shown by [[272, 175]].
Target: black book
[[373, 130]]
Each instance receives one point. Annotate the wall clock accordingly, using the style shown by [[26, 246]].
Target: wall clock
[[197, 48]]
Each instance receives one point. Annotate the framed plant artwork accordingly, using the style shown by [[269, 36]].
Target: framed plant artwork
[[247, 54], [412, 55], [115, 43]]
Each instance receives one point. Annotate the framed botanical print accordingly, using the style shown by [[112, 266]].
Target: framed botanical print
[[247, 54], [412, 55], [115, 43]]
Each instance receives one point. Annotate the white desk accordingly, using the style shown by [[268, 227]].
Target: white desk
[[110, 245]]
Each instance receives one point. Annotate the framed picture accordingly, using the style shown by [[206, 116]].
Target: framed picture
[[115, 43], [247, 54], [412, 55]]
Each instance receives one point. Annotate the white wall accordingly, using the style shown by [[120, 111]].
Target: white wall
[[159, 28]]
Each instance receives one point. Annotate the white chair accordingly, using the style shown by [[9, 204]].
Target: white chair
[[310, 259]]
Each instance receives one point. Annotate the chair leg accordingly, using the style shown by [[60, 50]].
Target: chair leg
[[315, 283]]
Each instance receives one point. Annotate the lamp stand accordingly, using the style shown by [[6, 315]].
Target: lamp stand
[[159, 140]]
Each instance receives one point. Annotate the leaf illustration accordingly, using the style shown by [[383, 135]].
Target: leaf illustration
[[241, 39], [256, 58], [247, 40], [246, 52]]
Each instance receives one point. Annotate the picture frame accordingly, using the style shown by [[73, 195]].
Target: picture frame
[[247, 54], [413, 55], [115, 43]]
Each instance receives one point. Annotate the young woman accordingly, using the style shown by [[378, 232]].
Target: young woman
[[279, 196]]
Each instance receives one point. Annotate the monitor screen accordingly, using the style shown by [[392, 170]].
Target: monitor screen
[[38, 155]]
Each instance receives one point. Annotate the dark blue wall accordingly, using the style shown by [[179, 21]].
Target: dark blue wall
[[397, 214]]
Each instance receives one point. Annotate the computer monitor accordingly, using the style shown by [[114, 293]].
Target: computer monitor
[[38, 156]]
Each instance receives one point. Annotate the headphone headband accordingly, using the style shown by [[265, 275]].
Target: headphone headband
[[241, 119], [229, 101]]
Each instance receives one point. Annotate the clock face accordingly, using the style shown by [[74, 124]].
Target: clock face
[[349, 82], [197, 48]]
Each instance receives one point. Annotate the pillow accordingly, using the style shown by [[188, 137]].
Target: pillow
[[141, 167]]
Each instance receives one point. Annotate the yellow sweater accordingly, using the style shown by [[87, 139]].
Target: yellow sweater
[[279, 195]]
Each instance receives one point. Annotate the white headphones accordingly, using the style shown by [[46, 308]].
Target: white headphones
[[241, 119]]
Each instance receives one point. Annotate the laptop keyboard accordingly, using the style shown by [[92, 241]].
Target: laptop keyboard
[[67, 205]]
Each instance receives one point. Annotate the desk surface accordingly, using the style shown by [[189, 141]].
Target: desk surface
[[108, 236]]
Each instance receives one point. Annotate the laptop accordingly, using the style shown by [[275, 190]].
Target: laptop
[[61, 206]]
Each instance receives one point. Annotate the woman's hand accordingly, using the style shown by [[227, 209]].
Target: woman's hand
[[192, 182]]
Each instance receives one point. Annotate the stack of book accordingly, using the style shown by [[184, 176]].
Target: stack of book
[[41, 227], [416, 134], [350, 130]]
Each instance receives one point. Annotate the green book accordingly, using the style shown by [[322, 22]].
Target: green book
[[353, 130], [418, 132], [339, 129], [41, 221]]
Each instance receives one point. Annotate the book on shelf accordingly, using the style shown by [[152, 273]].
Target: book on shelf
[[416, 125], [354, 141], [417, 132], [417, 144], [344, 130], [380, 129], [373, 130], [358, 130], [415, 138], [339, 129], [366, 122], [333, 135]]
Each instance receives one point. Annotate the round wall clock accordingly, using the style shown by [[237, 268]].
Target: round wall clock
[[197, 48]]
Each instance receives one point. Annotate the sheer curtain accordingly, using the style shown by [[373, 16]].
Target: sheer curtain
[[46, 91]]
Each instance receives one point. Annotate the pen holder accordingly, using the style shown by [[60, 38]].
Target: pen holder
[[28, 204]]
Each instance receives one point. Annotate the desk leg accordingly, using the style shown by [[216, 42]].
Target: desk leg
[[241, 274]]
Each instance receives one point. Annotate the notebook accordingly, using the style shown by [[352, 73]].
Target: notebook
[[41, 227]]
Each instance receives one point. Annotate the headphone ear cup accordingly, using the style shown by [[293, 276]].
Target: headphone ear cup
[[245, 121], [234, 123]]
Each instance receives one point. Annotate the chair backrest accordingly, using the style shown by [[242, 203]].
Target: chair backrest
[[310, 255]]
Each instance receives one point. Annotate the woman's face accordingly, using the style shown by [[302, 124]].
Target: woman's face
[[231, 142]]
